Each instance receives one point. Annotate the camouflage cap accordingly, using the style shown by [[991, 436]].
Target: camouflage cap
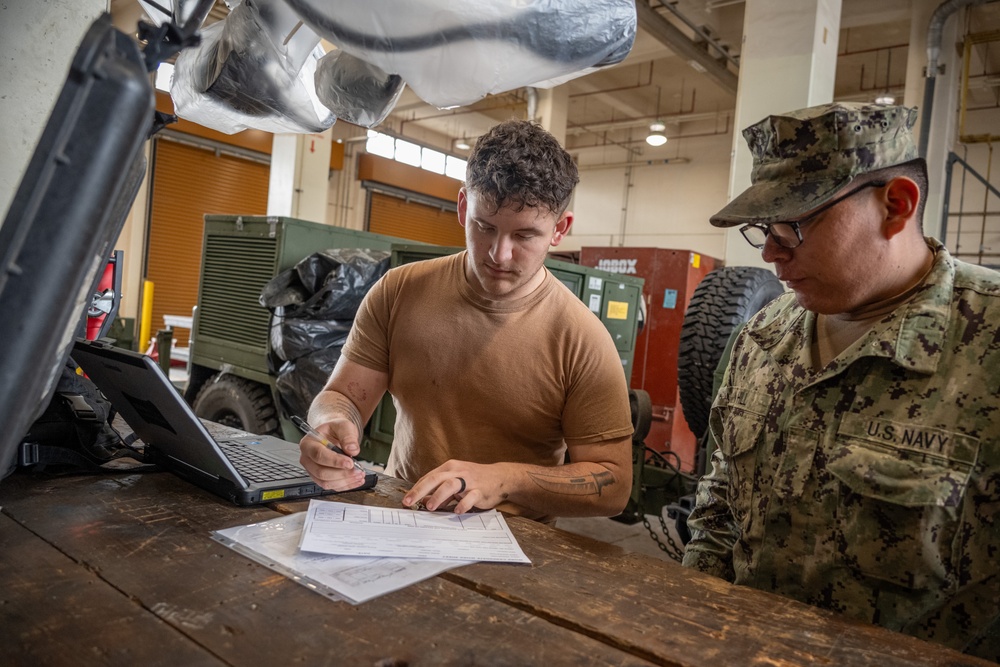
[[803, 158]]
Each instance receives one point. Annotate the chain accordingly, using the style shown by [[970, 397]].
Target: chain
[[673, 551]]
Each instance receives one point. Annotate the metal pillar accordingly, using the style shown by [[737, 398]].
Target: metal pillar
[[788, 62], [300, 176]]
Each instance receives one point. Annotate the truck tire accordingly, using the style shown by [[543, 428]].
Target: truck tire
[[237, 402], [723, 300]]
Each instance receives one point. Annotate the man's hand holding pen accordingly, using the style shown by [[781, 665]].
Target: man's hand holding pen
[[326, 453]]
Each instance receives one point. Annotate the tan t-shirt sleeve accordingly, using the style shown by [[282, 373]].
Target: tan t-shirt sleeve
[[597, 405], [368, 341]]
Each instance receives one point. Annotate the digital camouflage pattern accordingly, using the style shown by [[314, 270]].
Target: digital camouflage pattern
[[870, 487], [803, 158]]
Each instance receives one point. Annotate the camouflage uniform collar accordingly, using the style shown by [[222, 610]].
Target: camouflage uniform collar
[[924, 321], [912, 335]]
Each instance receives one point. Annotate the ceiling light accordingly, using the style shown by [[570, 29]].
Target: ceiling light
[[885, 98], [697, 66], [462, 144], [656, 136]]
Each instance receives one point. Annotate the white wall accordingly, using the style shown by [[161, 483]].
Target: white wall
[[347, 199], [667, 205]]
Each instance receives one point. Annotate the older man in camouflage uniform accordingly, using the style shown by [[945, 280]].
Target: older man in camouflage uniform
[[858, 422]]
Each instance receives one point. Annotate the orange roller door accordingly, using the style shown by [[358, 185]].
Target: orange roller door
[[408, 219], [189, 182]]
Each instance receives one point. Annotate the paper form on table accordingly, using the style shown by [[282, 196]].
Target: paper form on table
[[364, 530], [275, 544]]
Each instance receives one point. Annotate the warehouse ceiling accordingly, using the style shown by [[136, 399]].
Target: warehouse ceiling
[[683, 69], [684, 66]]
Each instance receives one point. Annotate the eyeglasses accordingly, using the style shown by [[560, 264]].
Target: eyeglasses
[[788, 234]]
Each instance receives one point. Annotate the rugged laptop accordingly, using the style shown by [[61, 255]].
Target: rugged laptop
[[246, 469]]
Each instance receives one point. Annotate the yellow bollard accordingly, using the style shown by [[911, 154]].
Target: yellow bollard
[[146, 321]]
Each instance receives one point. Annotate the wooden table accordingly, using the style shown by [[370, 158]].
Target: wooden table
[[120, 570]]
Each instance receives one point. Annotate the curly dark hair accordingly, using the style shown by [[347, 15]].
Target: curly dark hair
[[519, 164]]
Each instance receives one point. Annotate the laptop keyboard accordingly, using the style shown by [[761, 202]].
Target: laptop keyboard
[[255, 467]]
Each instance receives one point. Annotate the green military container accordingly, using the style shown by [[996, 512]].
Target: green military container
[[231, 381]]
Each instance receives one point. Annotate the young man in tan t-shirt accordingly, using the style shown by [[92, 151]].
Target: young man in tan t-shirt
[[496, 369]]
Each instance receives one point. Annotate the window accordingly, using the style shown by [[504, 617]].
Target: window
[[415, 155], [432, 160], [455, 167], [381, 144], [407, 153]]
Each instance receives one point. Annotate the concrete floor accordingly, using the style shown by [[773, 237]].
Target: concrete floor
[[635, 537]]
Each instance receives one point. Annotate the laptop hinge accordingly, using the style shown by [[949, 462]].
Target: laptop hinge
[[192, 468]]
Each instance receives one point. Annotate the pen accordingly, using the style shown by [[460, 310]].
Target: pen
[[309, 430]]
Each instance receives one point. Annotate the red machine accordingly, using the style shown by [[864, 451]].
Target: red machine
[[671, 277]]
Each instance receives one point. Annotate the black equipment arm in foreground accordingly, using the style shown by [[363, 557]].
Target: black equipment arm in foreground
[[68, 211]]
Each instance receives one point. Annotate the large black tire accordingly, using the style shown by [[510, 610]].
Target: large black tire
[[723, 300], [237, 402]]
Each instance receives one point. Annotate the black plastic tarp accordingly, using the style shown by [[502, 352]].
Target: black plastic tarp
[[313, 305]]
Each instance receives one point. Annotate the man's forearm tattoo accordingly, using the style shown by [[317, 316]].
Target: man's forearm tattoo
[[573, 485]]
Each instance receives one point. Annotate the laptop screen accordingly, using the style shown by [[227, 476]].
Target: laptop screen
[[139, 390]]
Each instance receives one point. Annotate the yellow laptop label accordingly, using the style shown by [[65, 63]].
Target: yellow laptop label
[[272, 495]]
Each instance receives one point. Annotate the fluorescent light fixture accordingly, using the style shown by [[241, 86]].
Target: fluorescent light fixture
[[697, 66], [656, 136], [885, 98]]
